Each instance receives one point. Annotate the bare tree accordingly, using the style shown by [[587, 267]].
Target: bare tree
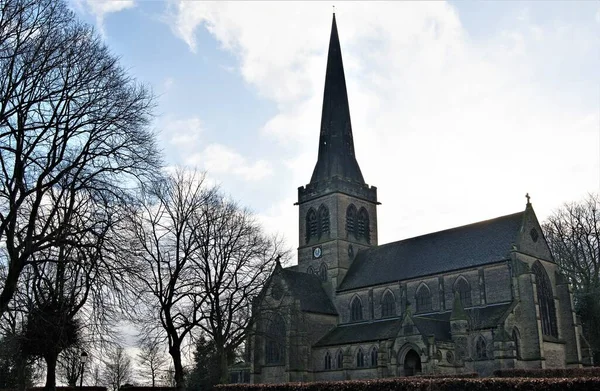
[[164, 247], [73, 126], [69, 365], [235, 259], [573, 234], [151, 359], [204, 259], [117, 368]]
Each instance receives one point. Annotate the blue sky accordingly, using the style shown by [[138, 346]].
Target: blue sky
[[458, 108]]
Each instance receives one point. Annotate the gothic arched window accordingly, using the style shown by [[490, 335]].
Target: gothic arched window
[[356, 310], [339, 360], [374, 356], [310, 270], [362, 228], [463, 288], [545, 300], [275, 341], [360, 358], [312, 225], [423, 298], [388, 305], [517, 341], [323, 221], [323, 272], [351, 220], [481, 348], [327, 361]]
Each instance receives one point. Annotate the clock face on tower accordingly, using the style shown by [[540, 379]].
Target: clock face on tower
[[317, 252]]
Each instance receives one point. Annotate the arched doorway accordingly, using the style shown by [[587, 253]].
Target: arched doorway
[[412, 363]]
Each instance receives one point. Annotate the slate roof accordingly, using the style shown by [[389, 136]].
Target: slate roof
[[308, 289], [457, 248], [436, 324], [361, 332]]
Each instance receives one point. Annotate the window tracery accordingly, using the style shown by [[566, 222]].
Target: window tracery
[[275, 341], [360, 358], [312, 225], [323, 272], [327, 363], [374, 356], [545, 300], [351, 220], [481, 348]]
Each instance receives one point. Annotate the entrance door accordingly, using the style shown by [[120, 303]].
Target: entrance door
[[412, 363]]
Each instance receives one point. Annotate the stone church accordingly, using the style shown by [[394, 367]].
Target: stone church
[[475, 298]]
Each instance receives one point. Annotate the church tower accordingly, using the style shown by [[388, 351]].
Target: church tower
[[337, 209]]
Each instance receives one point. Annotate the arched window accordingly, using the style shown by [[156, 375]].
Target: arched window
[[323, 272], [275, 341], [356, 310], [310, 270], [545, 300], [351, 220], [323, 221], [423, 298], [362, 228], [339, 360], [463, 288], [327, 361], [517, 341], [374, 356], [388, 305], [312, 225], [360, 358], [481, 348]]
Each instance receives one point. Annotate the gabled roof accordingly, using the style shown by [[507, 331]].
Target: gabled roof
[[436, 324], [468, 246], [308, 289], [361, 332]]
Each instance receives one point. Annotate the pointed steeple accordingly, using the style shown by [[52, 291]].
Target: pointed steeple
[[336, 146]]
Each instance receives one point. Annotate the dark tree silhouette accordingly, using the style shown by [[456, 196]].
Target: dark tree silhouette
[[73, 127], [573, 234], [201, 260]]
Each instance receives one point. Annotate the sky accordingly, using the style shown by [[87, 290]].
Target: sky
[[458, 108]]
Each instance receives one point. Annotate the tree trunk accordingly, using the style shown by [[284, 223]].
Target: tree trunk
[[222, 357], [175, 352], [50, 372]]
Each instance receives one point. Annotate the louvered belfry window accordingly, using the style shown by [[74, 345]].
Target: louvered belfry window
[[312, 225], [362, 231], [323, 221], [545, 300], [351, 220]]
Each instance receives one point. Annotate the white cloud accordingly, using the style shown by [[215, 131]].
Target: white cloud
[[101, 8], [451, 129], [182, 133], [220, 159]]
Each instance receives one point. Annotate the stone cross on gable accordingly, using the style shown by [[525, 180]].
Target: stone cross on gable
[[528, 197]]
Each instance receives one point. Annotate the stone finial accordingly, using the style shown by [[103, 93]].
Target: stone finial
[[528, 197]]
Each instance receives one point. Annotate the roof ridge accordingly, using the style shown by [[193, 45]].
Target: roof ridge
[[446, 230]]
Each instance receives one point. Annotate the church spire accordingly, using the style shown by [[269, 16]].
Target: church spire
[[336, 146]]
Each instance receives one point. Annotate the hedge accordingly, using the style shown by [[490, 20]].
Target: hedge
[[417, 384], [450, 376], [546, 373]]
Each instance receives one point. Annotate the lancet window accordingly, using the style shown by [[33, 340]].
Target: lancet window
[[463, 288], [423, 298], [356, 312], [388, 305]]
